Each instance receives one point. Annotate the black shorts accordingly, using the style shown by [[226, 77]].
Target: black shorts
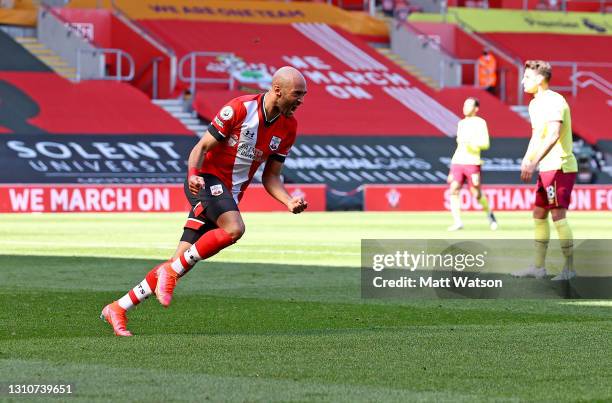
[[211, 201]]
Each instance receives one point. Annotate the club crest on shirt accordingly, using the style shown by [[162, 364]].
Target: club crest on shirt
[[275, 143], [216, 190], [226, 113], [233, 140]]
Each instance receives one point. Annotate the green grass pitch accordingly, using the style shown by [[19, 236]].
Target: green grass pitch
[[278, 317]]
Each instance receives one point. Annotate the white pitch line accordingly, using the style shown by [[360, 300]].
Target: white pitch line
[[244, 249]]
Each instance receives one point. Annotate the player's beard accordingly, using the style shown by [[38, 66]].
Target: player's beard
[[289, 109]]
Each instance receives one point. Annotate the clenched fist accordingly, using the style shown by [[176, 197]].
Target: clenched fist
[[195, 183], [297, 204]]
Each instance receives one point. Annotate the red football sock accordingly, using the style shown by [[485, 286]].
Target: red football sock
[[208, 245], [141, 292]]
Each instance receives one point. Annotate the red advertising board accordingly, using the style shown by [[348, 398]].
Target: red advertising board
[[257, 199], [133, 198], [501, 198]]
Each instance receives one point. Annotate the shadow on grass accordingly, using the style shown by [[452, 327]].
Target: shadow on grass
[[45, 296]]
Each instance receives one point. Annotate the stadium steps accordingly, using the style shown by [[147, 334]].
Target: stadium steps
[[407, 67], [177, 108], [48, 57], [522, 111]]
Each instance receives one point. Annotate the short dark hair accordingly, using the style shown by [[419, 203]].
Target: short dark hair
[[476, 101], [540, 67]]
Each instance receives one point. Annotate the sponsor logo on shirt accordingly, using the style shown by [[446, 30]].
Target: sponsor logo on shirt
[[219, 122], [248, 151], [248, 134]]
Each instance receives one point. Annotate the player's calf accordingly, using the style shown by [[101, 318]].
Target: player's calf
[[141, 292], [208, 245]]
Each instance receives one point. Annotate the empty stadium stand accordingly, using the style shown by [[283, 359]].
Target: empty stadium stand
[[105, 29], [20, 59], [577, 44], [349, 82], [55, 131], [358, 99], [85, 108], [463, 49], [582, 71], [364, 120]]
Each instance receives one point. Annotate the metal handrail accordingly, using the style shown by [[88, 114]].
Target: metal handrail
[[423, 36], [193, 78], [447, 58], [150, 37], [154, 62], [119, 53], [470, 31], [595, 80], [583, 64], [146, 67], [574, 65], [517, 62], [450, 63]]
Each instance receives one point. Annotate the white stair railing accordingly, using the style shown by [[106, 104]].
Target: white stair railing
[[193, 77], [584, 79], [101, 54]]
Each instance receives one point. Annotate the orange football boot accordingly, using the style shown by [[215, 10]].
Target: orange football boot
[[166, 282], [114, 315]]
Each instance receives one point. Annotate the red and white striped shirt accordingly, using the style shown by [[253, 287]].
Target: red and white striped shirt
[[246, 139]]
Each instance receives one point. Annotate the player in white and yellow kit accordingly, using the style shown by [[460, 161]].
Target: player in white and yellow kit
[[472, 137], [550, 149]]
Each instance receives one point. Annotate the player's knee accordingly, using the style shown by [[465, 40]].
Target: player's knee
[[540, 213], [475, 192], [235, 230], [557, 214]]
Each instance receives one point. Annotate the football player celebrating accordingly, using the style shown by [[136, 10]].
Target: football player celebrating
[[247, 131]]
